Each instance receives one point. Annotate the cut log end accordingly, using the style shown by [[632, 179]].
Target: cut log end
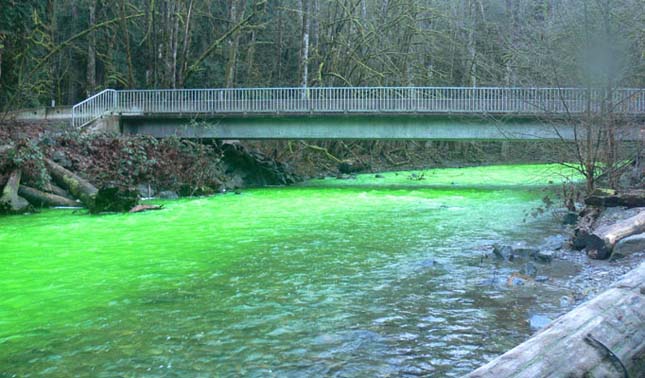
[[10, 201]]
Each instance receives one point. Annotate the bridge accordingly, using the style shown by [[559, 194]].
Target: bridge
[[447, 113]]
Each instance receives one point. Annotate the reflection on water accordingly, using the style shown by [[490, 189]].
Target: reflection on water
[[274, 282]]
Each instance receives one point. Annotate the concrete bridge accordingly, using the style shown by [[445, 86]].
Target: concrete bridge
[[472, 113]]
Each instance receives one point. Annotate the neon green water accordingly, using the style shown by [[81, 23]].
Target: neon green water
[[300, 281]]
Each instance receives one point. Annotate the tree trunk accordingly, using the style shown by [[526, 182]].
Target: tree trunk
[[91, 52], [601, 242], [604, 337], [77, 186], [54, 189], [250, 56], [126, 40], [304, 55], [10, 201], [2, 38], [236, 14], [42, 199], [185, 48]]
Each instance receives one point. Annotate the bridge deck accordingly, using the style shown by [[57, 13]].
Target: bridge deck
[[374, 100]]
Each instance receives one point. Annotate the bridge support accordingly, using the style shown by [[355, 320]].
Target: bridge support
[[403, 127]]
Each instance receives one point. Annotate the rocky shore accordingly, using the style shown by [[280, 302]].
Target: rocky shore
[[557, 263]]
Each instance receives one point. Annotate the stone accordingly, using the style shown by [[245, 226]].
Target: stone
[[545, 256], [554, 242], [495, 281], [525, 252], [566, 301], [379, 176], [168, 194], [537, 321], [504, 252], [428, 263], [529, 270], [541, 278], [629, 245]]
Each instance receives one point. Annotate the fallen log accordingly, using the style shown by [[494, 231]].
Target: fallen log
[[604, 337], [77, 186], [632, 198], [600, 243], [42, 199], [55, 189], [10, 201], [142, 208]]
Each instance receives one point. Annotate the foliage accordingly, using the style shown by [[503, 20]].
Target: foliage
[[64, 50]]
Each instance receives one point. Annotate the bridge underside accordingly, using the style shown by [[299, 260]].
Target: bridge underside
[[392, 127]]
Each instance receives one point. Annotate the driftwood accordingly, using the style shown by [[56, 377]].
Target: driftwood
[[55, 189], [42, 199], [142, 208], [632, 198], [604, 337], [10, 201], [601, 242], [77, 186]]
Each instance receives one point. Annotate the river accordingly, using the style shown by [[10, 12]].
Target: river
[[367, 277]]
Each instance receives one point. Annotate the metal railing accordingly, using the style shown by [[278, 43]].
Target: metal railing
[[359, 100], [94, 107]]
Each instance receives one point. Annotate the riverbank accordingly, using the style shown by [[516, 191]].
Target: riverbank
[[605, 303], [39, 155], [127, 167]]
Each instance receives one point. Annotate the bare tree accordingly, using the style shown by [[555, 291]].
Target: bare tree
[[91, 50]]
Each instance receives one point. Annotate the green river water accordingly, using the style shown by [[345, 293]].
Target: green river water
[[349, 278]]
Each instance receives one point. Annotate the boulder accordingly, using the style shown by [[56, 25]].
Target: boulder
[[504, 252], [537, 322], [554, 242], [545, 256], [525, 252], [510, 253]]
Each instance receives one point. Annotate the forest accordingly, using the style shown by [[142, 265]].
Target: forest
[[57, 52]]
